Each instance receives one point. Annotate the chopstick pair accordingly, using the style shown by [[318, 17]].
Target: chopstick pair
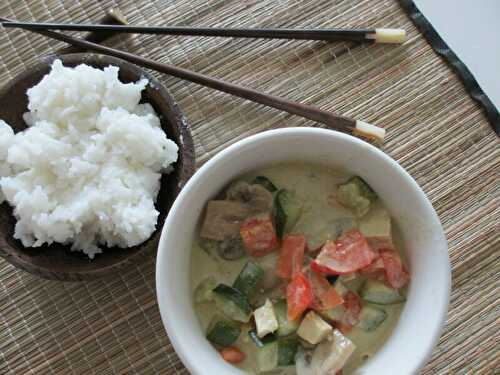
[[359, 35], [342, 123]]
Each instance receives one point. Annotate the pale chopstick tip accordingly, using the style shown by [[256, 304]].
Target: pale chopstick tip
[[391, 36], [369, 131]]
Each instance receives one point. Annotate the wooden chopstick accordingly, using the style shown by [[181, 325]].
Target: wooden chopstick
[[312, 113], [112, 16], [360, 35]]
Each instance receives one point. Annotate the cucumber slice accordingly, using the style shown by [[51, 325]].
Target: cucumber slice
[[232, 303], [364, 189], [377, 292], [287, 349], [249, 278], [265, 182], [352, 282], [316, 228], [268, 264], [285, 326], [370, 318], [288, 211], [223, 332], [280, 218], [339, 287], [357, 195], [204, 290], [333, 315], [266, 352]]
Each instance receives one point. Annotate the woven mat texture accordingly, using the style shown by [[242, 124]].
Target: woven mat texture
[[113, 326]]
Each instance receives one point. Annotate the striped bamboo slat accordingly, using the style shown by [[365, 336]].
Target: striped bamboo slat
[[435, 130]]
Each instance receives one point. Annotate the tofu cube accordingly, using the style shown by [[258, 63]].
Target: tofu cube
[[265, 319], [313, 328]]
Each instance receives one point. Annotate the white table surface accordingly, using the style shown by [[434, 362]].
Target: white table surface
[[471, 28]]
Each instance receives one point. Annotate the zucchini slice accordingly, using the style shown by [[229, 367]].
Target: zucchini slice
[[370, 318], [223, 332], [232, 303], [377, 292], [249, 278], [288, 210], [334, 314], [285, 326], [266, 352], [265, 182], [357, 195], [287, 350]]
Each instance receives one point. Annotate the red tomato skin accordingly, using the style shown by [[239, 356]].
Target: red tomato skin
[[259, 236], [299, 296], [324, 294], [349, 253], [375, 270], [232, 354], [352, 304], [395, 272], [343, 328], [316, 267], [291, 256]]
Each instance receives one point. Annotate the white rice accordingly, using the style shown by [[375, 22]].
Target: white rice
[[87, 170]]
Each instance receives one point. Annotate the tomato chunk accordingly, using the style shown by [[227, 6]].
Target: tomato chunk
[[344, 328], [325, 295], [375, 270], [298, 295], [232, 354], [352, 304], [259, 235], [395, 272], [349, 253], [291, 256]]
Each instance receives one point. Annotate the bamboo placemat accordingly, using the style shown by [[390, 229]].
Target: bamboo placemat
[[435, 131]]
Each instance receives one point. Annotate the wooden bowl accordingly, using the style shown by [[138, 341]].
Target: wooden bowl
[[57, 261]]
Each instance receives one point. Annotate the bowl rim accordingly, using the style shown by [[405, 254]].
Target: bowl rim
[[163, 253], [175, 117]]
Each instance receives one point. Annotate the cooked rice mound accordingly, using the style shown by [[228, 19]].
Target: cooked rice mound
[[87, 170]]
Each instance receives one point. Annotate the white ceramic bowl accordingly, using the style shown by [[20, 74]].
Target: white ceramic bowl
[[419, 327]]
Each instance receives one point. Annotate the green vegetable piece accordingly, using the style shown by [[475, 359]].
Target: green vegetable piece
[[265, 182], [287, 349], [377, 292], [279, 219], [209, 246], [365, 189], [249, 278], [255, 338], [334, 314], [370, 318], [288, 210], [223, 332], [261, 342], [266, 351], [232, 303], [204, 290], [285, 326], [357, 195]]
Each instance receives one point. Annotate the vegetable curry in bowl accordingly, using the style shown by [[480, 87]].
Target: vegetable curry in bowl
[[297, 270]]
